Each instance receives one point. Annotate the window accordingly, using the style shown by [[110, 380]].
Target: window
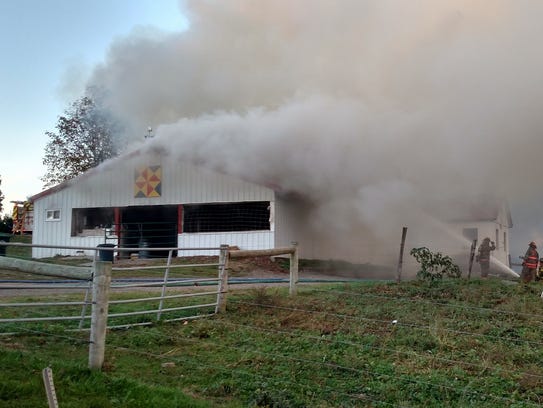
[[52, 215], [470, 234], [242, 216], [505, 241], [91, 221], [497, 239]]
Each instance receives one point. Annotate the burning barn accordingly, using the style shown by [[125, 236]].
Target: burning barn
[[151, 199]]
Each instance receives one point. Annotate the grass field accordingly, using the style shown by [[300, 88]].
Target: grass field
[[458, 344]]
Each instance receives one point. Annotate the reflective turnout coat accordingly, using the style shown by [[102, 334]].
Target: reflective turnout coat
[[531, 258]]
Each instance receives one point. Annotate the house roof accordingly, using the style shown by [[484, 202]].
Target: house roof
[[483, 209]]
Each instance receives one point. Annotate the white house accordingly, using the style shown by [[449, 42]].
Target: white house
[[488, 219]]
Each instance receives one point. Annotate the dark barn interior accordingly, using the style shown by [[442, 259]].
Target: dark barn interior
[[149, 227]]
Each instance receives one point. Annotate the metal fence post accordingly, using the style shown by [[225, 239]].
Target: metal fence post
[[85, 301], [163, 293], [223, 280], [293, 279], [100, 295]]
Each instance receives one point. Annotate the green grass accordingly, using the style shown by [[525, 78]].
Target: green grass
[[19, 252], [458, 344]]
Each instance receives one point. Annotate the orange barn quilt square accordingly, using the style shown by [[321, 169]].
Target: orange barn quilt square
[[148, 181]]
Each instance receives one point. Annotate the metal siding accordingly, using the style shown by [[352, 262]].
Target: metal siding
[[243, 240], [112, 185]]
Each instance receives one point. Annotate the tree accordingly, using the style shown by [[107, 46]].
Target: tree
[[83, 139], [1, 197], [6, 224]]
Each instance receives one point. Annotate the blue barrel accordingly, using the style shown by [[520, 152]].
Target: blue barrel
[[144, 253], [105, 255]]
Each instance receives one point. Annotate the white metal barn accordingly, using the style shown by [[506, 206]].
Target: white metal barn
[[150, 199]]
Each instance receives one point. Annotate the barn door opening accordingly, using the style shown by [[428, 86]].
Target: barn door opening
[[149, 227]]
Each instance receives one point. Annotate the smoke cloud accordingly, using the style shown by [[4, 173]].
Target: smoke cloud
[[382, 112]]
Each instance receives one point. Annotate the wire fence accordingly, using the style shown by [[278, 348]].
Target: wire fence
[[258, 363], [341, 356]]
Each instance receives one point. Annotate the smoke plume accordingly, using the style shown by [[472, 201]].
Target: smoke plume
[[382, 112]]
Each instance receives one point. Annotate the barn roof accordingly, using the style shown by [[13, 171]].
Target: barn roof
[[113, 161], [85, 175]]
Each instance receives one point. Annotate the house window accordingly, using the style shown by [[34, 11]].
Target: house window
[[497, 239], [91, 221], [505, 241], [470, 234], [52, 215]]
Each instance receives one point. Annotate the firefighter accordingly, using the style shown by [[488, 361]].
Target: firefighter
[[483, 257], [529, 266], [539, 274]]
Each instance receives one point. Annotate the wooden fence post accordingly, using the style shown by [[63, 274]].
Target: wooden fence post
[[471, 256], [400, 260], [223, 280], [293, 281], [100, 296], [47, 375]]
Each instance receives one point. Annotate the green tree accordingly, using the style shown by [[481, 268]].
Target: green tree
[[1, 197], [6, 224], [84, 138]]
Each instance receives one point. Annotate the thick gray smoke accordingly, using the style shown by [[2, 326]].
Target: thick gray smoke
[[377, 111]]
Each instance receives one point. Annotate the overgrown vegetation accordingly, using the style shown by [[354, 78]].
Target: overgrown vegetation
[[456, 343]]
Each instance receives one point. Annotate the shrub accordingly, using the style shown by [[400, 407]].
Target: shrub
[[434, 265]]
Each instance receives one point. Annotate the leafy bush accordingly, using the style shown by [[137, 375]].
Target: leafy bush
[[434, 265]]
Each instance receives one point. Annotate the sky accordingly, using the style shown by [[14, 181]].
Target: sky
[[381, 113], [48, 49]]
